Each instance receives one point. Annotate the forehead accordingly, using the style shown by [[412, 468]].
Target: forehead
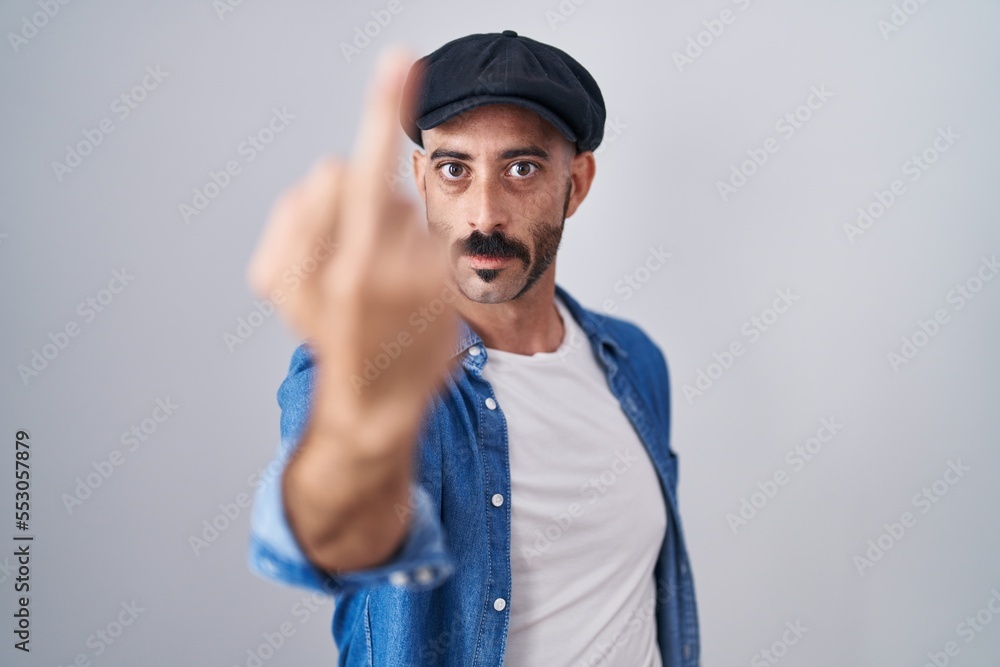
[[493, 126]]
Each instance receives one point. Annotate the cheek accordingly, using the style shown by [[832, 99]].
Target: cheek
[[442, 228], [545, 204], [443, 206], [439, 209]]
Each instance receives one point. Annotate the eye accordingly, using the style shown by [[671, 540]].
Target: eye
[[452, 170], [522, 169]]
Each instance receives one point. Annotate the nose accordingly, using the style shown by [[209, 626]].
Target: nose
[[488, 207]]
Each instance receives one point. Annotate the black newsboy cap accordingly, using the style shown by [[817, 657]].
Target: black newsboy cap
[[490, 68]]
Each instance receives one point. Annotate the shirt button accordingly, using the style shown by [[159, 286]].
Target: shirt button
[[499, 604], [497, 499], [398, 578], [424, 575], [491, 404], [475, 350]]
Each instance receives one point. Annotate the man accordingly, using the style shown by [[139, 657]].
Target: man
[[474, 465]]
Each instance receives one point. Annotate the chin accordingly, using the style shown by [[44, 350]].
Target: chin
[[494, 289]]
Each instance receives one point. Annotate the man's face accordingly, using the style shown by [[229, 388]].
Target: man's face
[[497, 185]]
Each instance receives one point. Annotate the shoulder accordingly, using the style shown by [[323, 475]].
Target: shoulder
[[641, 352], [644, 355], [640, 359], [632, 337]]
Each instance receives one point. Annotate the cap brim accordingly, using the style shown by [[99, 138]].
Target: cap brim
[[449, 111]]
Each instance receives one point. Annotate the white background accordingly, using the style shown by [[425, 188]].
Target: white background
[[674, 133]]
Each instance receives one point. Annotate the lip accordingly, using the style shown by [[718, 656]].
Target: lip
[[487, 262]]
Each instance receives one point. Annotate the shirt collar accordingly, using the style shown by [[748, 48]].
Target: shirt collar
[[591, 322]]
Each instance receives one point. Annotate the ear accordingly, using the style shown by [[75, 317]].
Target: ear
[[582, 168], [418, 173]]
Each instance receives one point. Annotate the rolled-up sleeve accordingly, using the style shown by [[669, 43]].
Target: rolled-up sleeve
[[421, 562]]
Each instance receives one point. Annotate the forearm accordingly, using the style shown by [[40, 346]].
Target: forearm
[[341, 496]]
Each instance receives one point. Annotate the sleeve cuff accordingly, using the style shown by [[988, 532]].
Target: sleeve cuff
[[421, 563]]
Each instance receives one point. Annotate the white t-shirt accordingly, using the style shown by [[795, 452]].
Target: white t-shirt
[[587, 513]]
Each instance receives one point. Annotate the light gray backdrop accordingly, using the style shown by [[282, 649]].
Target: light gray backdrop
[[694, 91]]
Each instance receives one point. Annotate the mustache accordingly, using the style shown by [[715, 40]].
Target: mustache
[[496, 244]]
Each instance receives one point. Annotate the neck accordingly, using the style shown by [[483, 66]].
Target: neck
[[526, 325]]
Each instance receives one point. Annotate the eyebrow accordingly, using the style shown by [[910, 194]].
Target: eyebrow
[[455, 155], [521, 151], [529, 151]]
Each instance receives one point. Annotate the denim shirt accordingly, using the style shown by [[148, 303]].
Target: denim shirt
[[443, 598]]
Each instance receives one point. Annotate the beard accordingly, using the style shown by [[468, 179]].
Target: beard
[[537, 258]]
